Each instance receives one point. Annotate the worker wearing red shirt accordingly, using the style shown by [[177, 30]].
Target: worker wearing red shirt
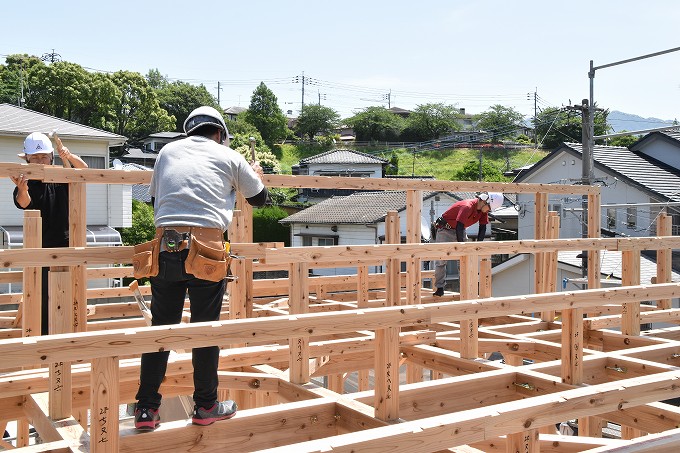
[[452, 224]]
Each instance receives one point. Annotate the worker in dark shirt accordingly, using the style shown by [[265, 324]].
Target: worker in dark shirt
[[51, 199], [452, 224]]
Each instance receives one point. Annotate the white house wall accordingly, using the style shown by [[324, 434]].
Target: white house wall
[[100, 205], [663, 151], [566, 169], [375, 170]]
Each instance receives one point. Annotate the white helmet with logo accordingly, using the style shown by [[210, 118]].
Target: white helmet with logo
[[493, 199], [206, 115], [37, 143]]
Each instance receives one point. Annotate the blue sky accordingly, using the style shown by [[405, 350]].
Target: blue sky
[[358, 53]]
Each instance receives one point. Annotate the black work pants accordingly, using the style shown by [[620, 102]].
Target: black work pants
[[168, 291]]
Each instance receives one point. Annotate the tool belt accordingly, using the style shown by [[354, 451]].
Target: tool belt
[[208, 257], [440, 224]]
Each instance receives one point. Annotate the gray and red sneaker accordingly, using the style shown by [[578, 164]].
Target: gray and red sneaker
[[146, 419], [221, 410]]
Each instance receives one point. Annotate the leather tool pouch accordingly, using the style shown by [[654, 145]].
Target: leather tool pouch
[[145, 259], [207, 260], [440, 223]]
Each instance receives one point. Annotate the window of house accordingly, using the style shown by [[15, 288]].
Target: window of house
[[631, 217], [326, 241], [611, 218], [322, 241]]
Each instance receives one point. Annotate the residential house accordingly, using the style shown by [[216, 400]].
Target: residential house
[[358, 219], [337, 162], [139, 157], [636, 185], [231, 113], [154, 142], [108, 206]]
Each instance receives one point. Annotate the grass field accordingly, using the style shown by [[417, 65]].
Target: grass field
[[441, 163]]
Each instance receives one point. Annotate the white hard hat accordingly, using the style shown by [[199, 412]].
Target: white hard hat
[[37, 143], [495, 200], [205, 115]]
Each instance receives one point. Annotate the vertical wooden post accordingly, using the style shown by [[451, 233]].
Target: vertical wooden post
[[77, 201], [392, 266], [386, 400], [387, 373], [238, 289], [594, 226], [485, 285], [61, 316], [31, 305], [469, 289], [414, 207], [362, 302], [104, 392], [664, 264], [298, 303], [549, 277], [541, 232], [523, 442], [591, 426], [630, 315]]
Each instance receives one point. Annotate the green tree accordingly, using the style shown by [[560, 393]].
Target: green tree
[[137, 111], [264, 113], [623, 140], [393, 167], [431, 121], [13, 74], [142, 228], [501, 121], [470, 172], [376, 124], [554, 126], [266, 226], [179, 98], [316, 119]]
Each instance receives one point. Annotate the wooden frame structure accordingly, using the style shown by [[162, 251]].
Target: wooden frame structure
[[422, 378]]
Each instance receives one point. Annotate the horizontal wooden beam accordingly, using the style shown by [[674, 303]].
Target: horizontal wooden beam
[[88, 345]]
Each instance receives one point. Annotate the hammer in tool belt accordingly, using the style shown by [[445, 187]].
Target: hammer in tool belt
[[143, 306]]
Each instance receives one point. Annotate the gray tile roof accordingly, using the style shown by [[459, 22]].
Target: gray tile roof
[[139, 191], [610, 263], [343, 156], [16, 120], [358, 208], [639, 168]]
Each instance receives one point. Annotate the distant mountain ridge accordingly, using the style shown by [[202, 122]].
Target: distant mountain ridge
[[621, 121]]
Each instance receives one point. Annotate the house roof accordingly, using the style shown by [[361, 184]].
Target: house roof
[[669, 135], [358, 208], [610, 265], [637, 168], [139, 191], [16, 120], [168, 135], [343, 156], [136, 153], [234, 110]]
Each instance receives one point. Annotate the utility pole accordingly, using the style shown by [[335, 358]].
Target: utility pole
[[535, 114], [302, 107], [388, 97], [586, 172], [51, 57], [219, 88]]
